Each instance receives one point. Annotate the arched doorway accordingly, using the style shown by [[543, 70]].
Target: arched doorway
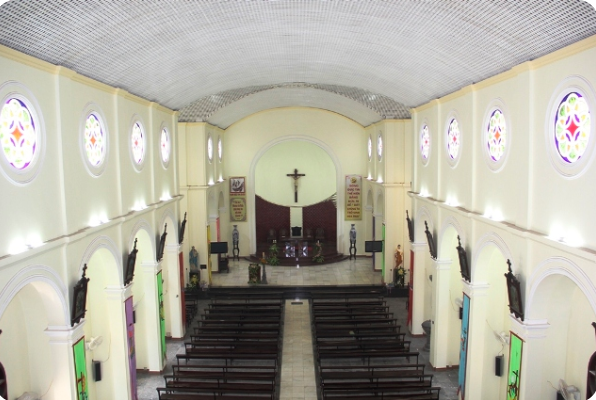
[[33, 304], [561, 296], [105, 318]]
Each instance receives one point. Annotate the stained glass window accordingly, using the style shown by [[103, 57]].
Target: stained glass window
[[219, 149], [369, 148], [380, 146], [18, 134], [95, 142], [138, 143], [424, 142], [165, 146], [210, 148], [453, 139], [572, 127], [496, 135]]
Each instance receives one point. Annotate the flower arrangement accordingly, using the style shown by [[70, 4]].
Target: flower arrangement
[[318, 250], [254, 273], [272, 256]]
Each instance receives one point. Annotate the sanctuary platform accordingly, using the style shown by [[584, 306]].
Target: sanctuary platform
[[297, 251]]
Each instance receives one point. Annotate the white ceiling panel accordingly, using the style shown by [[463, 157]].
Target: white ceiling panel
[[177, 52]]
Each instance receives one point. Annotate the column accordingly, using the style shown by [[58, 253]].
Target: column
[[116, 369], [148, 322], [172, 288], [61, 339], [533, 333], [478, 293], [420, 253], [440, 319]]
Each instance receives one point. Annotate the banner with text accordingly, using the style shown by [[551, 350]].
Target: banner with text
[[353, 197], [238, 199]]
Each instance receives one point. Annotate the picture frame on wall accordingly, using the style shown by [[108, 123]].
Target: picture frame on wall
[[237, 185], [514, 294], [162, 243], [130, 265], [79, 299]]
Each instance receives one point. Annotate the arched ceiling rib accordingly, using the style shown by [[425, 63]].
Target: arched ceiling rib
[[177, 52], [298, 94]]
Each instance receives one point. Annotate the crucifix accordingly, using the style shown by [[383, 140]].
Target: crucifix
[[295, 176]]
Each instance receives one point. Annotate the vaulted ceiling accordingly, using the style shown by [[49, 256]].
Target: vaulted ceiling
[[218, 61]]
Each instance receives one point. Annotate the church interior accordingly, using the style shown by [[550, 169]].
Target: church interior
[[436, 153]]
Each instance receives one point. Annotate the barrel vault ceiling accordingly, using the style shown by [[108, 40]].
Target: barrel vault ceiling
[[219, 61]]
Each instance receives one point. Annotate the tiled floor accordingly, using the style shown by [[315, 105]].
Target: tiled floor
[[297, 368]]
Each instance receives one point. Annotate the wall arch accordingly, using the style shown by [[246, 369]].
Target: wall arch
[[50, 287], [168, 217], [250, 187], [563, 267], [478, 252], [142, 225], [423, 214], [115, 278]]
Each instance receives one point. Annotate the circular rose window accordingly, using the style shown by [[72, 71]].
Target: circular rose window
[[137, 143], [165, 146]]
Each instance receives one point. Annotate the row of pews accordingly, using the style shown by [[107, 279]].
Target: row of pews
[[233, 354], [361, 353]]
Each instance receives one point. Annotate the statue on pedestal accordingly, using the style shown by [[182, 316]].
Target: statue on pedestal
[[353, 242], [193, 258], [235, 240], [400, 272]]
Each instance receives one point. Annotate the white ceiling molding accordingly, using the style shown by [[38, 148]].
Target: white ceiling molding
[[176, 52]]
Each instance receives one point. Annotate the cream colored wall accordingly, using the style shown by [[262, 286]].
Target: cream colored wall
[[531, 198], [247, 140], [272, 184], [58, 205]]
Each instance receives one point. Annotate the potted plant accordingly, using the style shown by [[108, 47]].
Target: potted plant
[[318, 253]]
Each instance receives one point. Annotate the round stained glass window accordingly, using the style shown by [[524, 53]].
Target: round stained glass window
[[165, 145], [219, 149], [453, 139], [18, 134], [380, 146], [424, 142], [496, 140], [210, 148], [94, 140], [369, 148], [138, 143], [572, 127]]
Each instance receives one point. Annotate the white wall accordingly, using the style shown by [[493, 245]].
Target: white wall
[[58, 205], [512, 209]]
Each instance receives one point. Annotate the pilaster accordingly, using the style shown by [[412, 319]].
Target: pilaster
[[420, 252], [440, 319], [172, 291], [475, 374]]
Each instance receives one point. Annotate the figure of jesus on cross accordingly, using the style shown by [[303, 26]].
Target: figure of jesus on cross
[[296, 176]]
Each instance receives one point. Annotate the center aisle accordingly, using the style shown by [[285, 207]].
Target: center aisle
[[298, 370]]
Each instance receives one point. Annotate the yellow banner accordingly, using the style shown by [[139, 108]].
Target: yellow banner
[[353, 197]]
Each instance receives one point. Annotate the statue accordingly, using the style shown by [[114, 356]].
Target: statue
[[235, 240], [193, 258], [353, 242], [400, 271], [235, 235]]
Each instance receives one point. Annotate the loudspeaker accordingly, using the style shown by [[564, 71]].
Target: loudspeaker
[[96, 371], [499, 365], [461, 313]]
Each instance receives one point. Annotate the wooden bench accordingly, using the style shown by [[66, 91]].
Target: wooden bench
[[228, 357], [371, 371], [367, 355], [203, 394], [245, 372], [431, 393], [239, 337]]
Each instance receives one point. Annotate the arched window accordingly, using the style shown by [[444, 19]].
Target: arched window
[[424, 143]]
